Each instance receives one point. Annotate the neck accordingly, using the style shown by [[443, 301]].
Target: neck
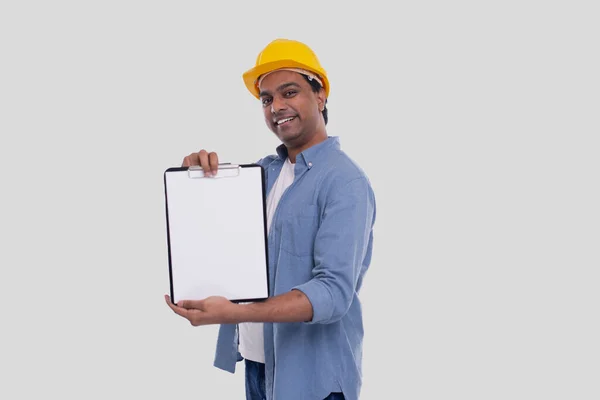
[[293, 150]]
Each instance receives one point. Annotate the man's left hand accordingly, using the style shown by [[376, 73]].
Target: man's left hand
[[212, 310]]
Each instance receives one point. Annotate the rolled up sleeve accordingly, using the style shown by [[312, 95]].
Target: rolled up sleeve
[[341, 250]]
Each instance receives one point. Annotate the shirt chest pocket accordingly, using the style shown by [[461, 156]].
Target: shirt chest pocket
[[299, 229]]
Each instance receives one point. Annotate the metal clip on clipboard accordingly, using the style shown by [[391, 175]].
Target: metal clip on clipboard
[[226, 170]]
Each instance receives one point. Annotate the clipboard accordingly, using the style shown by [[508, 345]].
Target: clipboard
[[217, 233]]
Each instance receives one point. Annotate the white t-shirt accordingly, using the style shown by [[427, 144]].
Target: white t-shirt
[[252, 345]]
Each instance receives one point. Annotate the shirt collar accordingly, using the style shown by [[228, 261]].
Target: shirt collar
[[314, 154]]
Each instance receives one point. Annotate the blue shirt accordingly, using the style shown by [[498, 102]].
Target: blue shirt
[[320, 243]]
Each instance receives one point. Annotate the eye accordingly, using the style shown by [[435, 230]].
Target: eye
[[290, 93], [266, 100]]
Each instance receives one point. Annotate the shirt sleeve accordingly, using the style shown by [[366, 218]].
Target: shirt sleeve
[[341, 250]]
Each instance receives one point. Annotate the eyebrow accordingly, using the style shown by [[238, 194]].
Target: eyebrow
[[280, 88]]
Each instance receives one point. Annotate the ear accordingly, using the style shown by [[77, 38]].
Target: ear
[[321, 99]]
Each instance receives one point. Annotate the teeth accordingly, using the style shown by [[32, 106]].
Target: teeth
[[281, 121]]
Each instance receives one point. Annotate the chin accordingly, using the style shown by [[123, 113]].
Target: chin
[[290, 137]]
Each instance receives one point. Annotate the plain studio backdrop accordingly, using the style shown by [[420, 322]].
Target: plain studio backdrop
[[477, 123]]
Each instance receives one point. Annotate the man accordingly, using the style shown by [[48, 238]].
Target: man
[[305, 341]]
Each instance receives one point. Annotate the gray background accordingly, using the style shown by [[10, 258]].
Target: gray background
[[476, 121]]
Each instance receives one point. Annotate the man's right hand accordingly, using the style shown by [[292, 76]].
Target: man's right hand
[[208, 161]]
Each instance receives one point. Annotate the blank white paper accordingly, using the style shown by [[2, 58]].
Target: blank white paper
[[217, 235]]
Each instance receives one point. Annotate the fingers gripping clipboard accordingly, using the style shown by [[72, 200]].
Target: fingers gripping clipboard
[[217, 233]]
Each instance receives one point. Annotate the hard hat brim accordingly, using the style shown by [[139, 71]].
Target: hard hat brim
[[251, 76]]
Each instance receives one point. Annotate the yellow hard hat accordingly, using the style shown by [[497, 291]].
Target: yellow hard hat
[[284, 53]]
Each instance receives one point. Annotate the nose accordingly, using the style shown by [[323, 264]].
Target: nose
[[277, 105]]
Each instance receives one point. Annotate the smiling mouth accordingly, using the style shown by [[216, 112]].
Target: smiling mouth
[[284, 121]]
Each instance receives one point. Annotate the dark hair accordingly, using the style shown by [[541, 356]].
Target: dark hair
[[316, 86]]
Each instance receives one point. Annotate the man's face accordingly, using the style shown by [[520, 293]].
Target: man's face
[[292, 110]]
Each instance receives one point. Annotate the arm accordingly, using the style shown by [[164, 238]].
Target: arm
[[342, 251], [292, 306]]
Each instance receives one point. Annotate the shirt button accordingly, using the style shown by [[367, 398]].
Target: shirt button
[[310, 164]]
